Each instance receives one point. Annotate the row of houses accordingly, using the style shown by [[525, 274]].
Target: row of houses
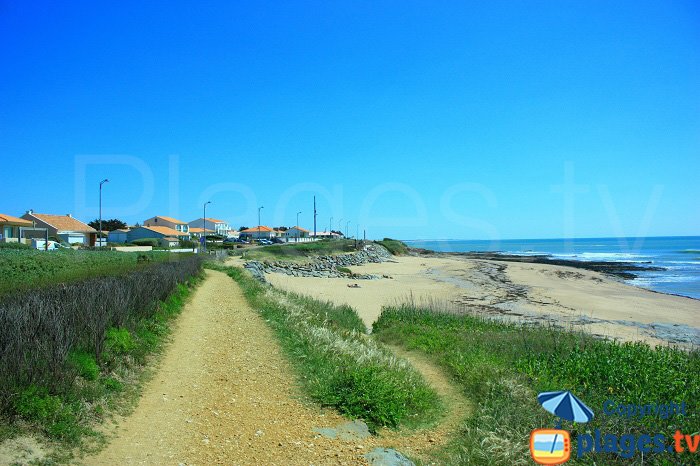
[[295, 232], [169, 231]]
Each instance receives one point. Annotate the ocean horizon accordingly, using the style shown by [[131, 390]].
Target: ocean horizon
[[678, 255]]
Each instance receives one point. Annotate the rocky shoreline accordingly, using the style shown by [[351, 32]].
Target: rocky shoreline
[[622, 270], [323, 266]]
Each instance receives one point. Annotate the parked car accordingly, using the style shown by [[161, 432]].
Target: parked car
[[278, 240], [264, 242], [233, 240]]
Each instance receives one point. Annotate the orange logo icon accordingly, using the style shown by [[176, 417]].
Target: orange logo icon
[[550, 446]]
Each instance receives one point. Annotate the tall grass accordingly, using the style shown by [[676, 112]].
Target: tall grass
[[502, 367], [337, 364], [28, 268], [54, 340]]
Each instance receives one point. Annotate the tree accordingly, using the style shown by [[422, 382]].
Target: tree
[[108, 225], [282, 228], [241, 228]]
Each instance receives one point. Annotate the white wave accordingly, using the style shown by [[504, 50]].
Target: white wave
[[656, 279]]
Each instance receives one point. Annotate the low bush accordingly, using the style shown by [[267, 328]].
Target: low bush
[[146, 242], [85, 364], [14, 246]]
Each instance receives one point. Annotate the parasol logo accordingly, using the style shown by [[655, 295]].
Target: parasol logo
[[553, 446], [550, 446]]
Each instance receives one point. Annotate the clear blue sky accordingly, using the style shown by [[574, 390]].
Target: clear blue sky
[[471, 120]]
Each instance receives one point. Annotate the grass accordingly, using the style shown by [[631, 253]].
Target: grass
[[68, 418], [23, 269], [299, 251], [502, 367], [395, 247], [337, 364], [72, 371]]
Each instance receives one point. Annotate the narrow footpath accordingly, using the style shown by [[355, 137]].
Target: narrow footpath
[[224, 394]]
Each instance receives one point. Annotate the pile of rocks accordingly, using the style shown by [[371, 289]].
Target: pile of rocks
[[323, 266]]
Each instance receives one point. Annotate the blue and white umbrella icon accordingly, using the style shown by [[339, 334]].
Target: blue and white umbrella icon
[[565, 405]]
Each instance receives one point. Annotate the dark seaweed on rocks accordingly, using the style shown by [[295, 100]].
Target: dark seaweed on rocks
[[619, 269]]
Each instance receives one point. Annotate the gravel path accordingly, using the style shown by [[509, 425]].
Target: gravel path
[[224, 394]]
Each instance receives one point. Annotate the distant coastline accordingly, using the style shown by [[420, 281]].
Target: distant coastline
[[669, 265]]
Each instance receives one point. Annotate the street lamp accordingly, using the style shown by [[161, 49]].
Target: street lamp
[[340, 226], [259, 208], [204, 248], [298, 231], [101, 183], [330, 228], [346, 228]]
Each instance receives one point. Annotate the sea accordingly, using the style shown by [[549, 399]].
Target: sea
[[679, 255]]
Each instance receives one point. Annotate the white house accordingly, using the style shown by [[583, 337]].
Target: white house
[[296, 232], [64, 227], [259, 232], [182, 228], [219, 227], [324, 235]]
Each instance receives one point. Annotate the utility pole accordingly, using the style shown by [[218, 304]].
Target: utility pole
[[259, 208], [101, 183], [315, 214], [298, 230], [340, 226], [204, 246], [330, 228], [346, 228]]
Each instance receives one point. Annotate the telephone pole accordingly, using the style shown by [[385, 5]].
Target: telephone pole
[[315, 214]]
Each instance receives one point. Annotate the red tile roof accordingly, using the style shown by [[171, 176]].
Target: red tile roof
[[4, 218], [261, 228], [63, 222], [167, 231], [171, 220]]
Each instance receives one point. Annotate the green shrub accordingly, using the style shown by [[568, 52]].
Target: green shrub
[[14, 246], [35, 404], [85, 364], [146, 242], [395, 247], [112, 384], [344, 270], [118, 341]]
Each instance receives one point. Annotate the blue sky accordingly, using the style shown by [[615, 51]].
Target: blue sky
[[470, 120]]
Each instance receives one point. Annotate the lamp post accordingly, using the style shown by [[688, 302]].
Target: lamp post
[[346, 228], [298, 231], [205, 225], [101, 183], [340, 226], [330, 228], [259, 209]]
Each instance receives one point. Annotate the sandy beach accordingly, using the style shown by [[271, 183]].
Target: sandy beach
[[564, 296]]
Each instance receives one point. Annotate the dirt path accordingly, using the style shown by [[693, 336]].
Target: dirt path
[[224, 394], [419, 443]]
